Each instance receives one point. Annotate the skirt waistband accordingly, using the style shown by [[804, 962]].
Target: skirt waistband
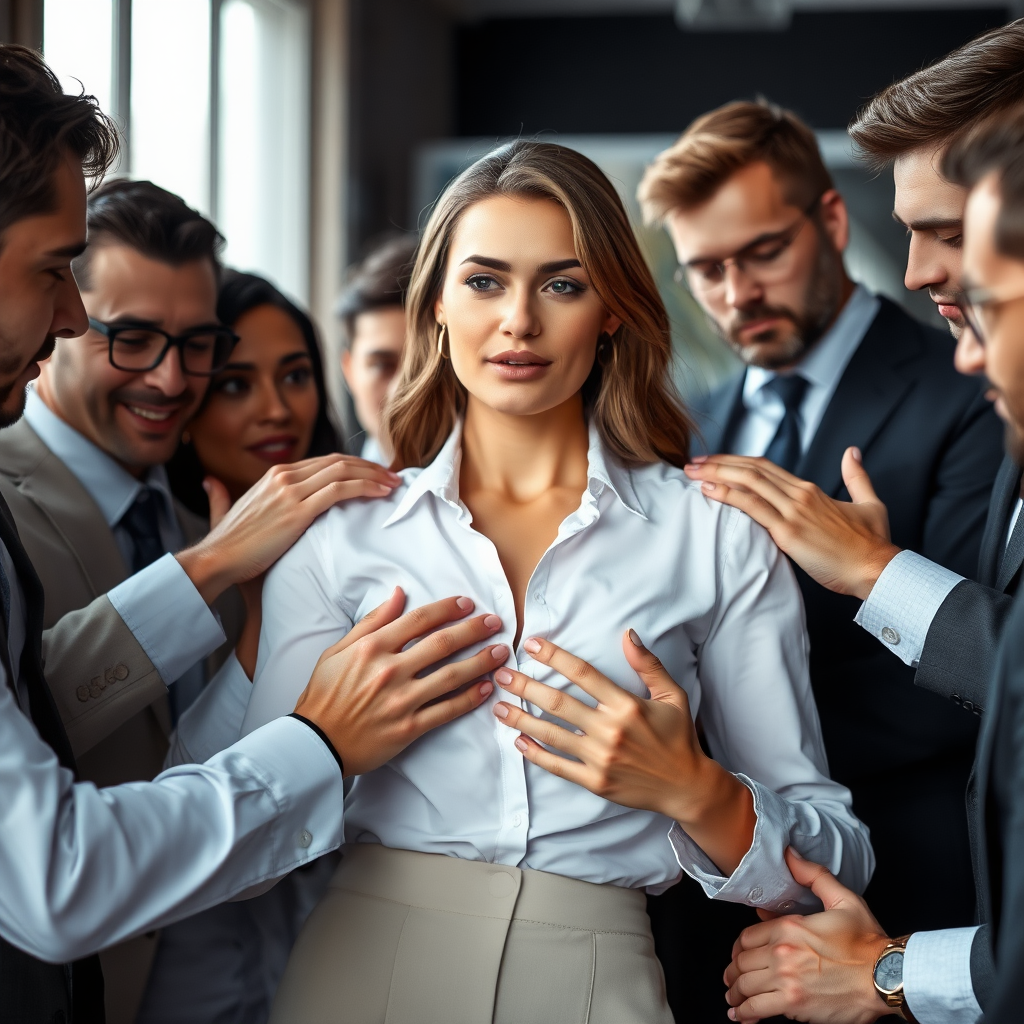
[[478, 889]]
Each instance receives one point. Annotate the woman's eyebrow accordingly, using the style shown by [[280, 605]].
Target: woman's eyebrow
[[292, 356], [553, 268], [544, 268], [486, 261]]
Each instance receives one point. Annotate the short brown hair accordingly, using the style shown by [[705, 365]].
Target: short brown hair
[[996, 145], [39, 126], [152, 221], [629, 394], [938, 104], [720, 143], [379, 282]]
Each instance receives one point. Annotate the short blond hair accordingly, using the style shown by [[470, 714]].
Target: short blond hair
[[726, 140]]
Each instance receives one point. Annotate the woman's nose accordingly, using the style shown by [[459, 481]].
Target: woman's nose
[[520, 320]]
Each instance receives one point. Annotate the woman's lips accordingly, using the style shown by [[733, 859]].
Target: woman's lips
[[519, 365], [274, 449]]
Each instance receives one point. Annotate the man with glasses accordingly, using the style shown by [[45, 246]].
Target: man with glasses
[[759, 231]]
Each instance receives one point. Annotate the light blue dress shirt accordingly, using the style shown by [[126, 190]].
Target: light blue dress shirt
[[142, 600], [823, 366]]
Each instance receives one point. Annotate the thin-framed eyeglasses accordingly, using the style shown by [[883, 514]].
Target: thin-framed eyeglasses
[[137, 348], [762, 260], [979, 304]]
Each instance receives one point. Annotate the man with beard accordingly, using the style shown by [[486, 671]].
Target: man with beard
[[759, 231]]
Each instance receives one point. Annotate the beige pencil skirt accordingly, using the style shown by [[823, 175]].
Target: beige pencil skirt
[[415, 938]]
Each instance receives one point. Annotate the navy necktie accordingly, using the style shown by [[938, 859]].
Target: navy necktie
[[142, 523], [785, 448]]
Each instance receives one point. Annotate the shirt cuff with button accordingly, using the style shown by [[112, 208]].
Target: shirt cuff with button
[[762, 878], [169, 618], [937, 977], [902, 603], [214, 720]]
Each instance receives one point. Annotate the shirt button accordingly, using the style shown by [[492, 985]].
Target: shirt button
[[890, 636], [786, 905], [756, 894], [517, 820], [305, 838]]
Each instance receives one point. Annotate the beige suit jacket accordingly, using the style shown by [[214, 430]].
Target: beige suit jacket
[[110, 696]]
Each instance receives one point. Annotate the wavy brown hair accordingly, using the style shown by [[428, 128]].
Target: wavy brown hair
[[629, 394]]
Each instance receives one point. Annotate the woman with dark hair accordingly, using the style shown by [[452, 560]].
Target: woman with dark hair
[[269, 404], [541, 445]]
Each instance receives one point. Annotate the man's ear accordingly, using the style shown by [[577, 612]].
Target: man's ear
[[346, 366], [835, 219]]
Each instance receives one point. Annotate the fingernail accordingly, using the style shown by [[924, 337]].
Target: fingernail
[[635, 640], [707, 486], [394, 476], [532, 645], [501, 711], [464, 603], [521, 744], [499, 652], [384, 488], [486, 689], [492, 622], [731, 1015], [206, 486], [855, 452], [503, 677], [699, 460], [796, 853]]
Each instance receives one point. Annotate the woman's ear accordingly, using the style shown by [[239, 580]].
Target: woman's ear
[[611, 325], [439, 312]]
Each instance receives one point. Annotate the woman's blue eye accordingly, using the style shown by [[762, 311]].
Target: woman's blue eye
[[564, 286], [481, 282]]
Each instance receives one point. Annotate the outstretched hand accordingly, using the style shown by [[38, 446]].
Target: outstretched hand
[[253, 533], [367, 692], [633, 751], [814, 968], [844, 545]]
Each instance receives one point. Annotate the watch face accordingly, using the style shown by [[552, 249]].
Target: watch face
[[889, 971]]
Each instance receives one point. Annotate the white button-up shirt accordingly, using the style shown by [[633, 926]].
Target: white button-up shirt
[[709, 594]]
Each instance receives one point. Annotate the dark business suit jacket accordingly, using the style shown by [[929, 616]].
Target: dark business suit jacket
[[31, 991], [933, 446]]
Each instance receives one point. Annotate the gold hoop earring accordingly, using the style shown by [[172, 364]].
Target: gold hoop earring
[[440, 341]]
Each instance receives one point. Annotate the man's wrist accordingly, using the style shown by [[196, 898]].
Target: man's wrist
[[873, 567], [204, 567]]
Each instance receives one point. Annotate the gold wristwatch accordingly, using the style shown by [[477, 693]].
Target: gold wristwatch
[[888, 977]]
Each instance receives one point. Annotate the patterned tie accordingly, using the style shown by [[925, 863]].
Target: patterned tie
[[785, 448], [142, 523]]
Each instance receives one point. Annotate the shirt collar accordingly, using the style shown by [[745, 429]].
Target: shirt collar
[[826, 361], [111, 486], [441, 477]]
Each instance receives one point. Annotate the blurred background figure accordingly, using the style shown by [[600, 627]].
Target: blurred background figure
[[372, 313], [267, 406]]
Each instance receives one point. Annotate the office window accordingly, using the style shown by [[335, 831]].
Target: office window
[[78, 42], [262, 174], [170, 97]]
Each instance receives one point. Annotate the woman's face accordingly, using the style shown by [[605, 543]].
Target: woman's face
[[522, 317], [262, 408]]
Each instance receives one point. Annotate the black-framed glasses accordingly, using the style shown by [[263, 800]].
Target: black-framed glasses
[[761, 260], [976, 301], [136, 348]]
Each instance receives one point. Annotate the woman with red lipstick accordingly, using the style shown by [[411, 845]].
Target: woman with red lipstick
[[542, 445]]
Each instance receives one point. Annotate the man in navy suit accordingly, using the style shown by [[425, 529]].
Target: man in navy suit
[[759, 231]]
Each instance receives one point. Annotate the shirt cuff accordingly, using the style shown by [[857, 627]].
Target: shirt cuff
[[902, 603], [937, 977], [762, 878], [164, 611], [214, 720]]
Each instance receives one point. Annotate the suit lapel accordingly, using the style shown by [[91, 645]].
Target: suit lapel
[[717, 422], [869, 390], [1004, 495], [58, 495]]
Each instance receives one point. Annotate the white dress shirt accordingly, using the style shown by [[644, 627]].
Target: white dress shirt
[[822, 367], [85, 868], [706, 589], [114, 490]]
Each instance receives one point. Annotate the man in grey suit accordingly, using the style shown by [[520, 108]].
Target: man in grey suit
[[859, 973]]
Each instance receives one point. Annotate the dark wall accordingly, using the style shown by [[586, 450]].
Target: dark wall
[[643, 74]]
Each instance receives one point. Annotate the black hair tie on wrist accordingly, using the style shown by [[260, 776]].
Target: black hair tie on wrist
[[330, 746]]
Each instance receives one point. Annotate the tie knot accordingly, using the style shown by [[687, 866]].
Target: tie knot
[[790, 389]]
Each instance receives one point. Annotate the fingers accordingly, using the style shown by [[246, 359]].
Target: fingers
[[652, 673], [305, 469], [818, 879], [856, 478], [576, 670], [451, 708], [424, 619], [384, 613], [456, 674], [446, 642], [220, 500], [572, 771], [307, 484], [543, 731], [552, 700]]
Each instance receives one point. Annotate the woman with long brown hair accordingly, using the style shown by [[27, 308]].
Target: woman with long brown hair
[[541, 445]]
